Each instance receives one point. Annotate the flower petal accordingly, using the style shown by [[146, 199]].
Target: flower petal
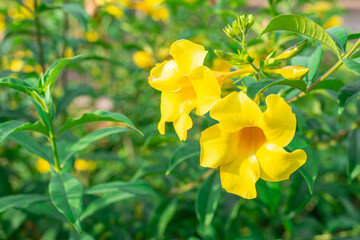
[[187, 55], [239, 177], [165, 77], [236, 111], [278, 121], [182, 125], [217, 147], [206, 87], [276, 164]]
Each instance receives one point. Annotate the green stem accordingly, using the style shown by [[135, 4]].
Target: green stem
[[52, 137], [38, 36], [328, 73]]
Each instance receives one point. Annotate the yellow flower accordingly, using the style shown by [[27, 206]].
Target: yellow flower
[[248, 144], [160, 14], [319, 8], [333, 22], [153, 8], [16, 65], [220, 65], [293, 72], [143, 60], [114, 10], [68, 52], [2, 23], [28, 69], [42, 166], [84, 165], [92, 36], [185, 84]]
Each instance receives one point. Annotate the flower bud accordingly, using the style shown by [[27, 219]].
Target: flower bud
[[249, 21], [292, 51], [230, 32], [293, 72], [225, 55]]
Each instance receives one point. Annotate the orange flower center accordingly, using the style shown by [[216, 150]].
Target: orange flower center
[[250, 140]]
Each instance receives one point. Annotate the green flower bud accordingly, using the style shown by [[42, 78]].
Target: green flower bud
[[249, 21], [225, 55], [292, 51], [230, 32]]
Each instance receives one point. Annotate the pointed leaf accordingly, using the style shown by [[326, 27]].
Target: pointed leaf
[[339, 35], [189, 150], [352, 65], [330, 84], [139, 187], [20, 201], [353, 161], [13, 126], [302, 25]]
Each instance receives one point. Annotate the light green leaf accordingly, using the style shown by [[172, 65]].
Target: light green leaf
[[340, 36], [139, 187], [353, 161], [329, 84], [208, 198], [310, 169], [20, 201], [302, 25], [352, 65], [313, 64], [97, 116], [347, 93], [104, 201], [66, 193], [256, 87], [189, 150], [54, 70]]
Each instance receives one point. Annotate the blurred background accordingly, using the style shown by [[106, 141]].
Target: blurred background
[[121, 41]]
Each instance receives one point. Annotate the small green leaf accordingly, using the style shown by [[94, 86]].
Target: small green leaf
[[347, 93], [139, 187], [97, 116], [352, 65], [353, 161], [340, 36], [313, 64], [256, 87], [310, 169], [208, 198], [329, 84], [302, 25], [66, 193], [54, 70], [77, 11], [20, 201], [183, 153]]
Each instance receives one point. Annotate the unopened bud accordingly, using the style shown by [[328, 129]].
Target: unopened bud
[[292, 51], [225, 55], [249, 21], [230, 32], [293, 72]]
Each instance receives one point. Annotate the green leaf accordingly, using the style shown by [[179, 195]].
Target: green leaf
[[256, 87], [313, 64], [189, 150], [139, 187], [97, 116], [340, 36], [354, 36], [352, 65], [32, 146], [9, 127], [310, 169], [66, 194], [54, 70], [208, 198], [329, 84], [353, 161], [77, 11], [104, 201], [347, 93], [20, 201], [89, 139], [23, 87], [302, 25], [161, 218]]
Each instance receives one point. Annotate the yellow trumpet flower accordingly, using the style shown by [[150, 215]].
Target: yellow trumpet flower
[[185, 84], [248, 144]]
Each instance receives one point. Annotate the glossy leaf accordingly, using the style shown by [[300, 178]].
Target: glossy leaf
[[353, 161], [347, 93], [339, 35], [302, 25], [207, 199], [256, 87], [183, 153], [98, 116], [20, 201], [139, 187], [66, 194]]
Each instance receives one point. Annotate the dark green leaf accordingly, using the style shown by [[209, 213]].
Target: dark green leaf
[[256, 87], [97, 116], [347, 93], [208, 198], [303, 26], [335, 85], [352, 65], [66, 194], [353, 161], [183, 153], [20, 201], [139, 187], [354, 36], [340, 36], [161, 217]]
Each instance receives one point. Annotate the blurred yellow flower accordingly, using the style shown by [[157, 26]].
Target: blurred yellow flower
[[92, 36], [28, 69], [69, 52], [143, 60], [333, 22], [185, 84], [114, 10], [85, 165], [248, 144], [160, 14], [38, 69], [42, 166], [20, 12], [220, 65], [16, 65], [2, 23], [154, 8], [318, 7]]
